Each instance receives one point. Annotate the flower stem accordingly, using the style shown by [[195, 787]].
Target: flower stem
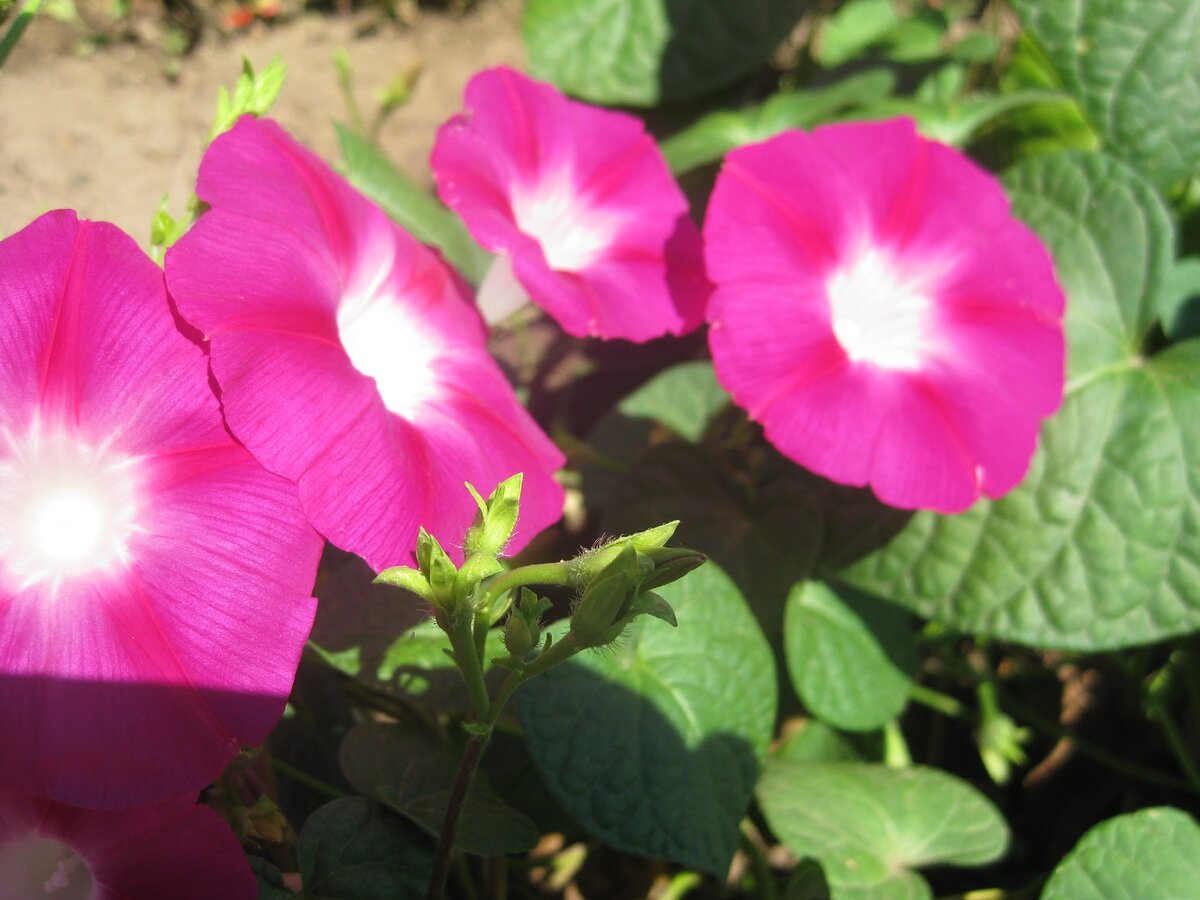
[[542, 573], [939, 702], [17, 28], [444, 853], [300, 777], [749, 843]]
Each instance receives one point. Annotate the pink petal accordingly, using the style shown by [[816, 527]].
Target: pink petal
[[141, 549], [882, 314], [175, 848], [340, 366], [582, 200]]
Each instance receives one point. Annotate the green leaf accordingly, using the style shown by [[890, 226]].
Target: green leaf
[[871, 826], [353, 849], [855, 26], [412, 208], [712, 136], [954, 121], [1100, 546], [412, 772], [641, 52], [1150, 853], [1180, 305], [674, 719], [254, 94], [1134, 67], [850, 656], [1112, 241], [683, 398], [817, 742]]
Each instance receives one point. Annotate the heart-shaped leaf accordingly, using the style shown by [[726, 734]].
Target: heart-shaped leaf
[[353, 848], [1134, 67], [639, 52], [1150, 853], [851, 657], [871, 826], [654, 745], [1100, 546]]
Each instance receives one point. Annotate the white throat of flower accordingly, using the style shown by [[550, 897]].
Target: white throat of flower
[[40, 867], [881, 312], [67, 509], [386, 341], [573, 233]]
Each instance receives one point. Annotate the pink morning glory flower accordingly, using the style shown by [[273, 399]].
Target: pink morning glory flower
[[154, 580], [175, 848], [348, 357], [881, 312], [582, 203]]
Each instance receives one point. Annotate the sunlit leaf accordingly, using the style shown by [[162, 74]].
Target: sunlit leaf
[[871, 826], [1150, 853]]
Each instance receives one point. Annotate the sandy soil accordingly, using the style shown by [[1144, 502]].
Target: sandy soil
[[109, 134]]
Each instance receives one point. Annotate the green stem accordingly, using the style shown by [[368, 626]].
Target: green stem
[[681, 885], [470, 664], [895, 747], [542, 573], [763, 876], [17, 28], [1178, 745], [1099, 754], [305, 779], [444, 853], [561, 650], [939, 702]]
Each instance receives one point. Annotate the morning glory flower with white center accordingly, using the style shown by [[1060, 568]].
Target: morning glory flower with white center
[[155, 581], [882, 314]]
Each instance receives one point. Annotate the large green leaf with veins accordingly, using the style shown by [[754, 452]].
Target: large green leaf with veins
[[639, 52], [654, 744], [870, 826], [1100, 545], [1134, 67], [1150, 853]]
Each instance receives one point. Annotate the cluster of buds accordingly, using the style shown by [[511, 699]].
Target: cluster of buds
[[616, 581]]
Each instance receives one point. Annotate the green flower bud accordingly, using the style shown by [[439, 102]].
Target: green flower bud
[[496, 519], [590, 564]]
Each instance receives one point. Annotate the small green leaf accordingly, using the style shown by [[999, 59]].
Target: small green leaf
[[683, 398], [254, 94], [1134, 67], [674, 719], [641, 52], [353, 848], [412, 772], [871, 826], [851, 657], [1150, 853], [412, 208], [855, 26], [817, 742], [712, 136], [348, 661], [407, 579], [270, 881]]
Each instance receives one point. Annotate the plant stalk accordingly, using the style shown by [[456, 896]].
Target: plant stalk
[[444, 853]]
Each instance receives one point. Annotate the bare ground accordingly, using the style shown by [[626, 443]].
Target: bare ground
[[109, 134]]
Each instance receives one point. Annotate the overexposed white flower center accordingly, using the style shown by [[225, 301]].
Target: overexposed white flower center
[[881, 312], [40, 867], [386, 342], [66, 508], [573, 233]]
